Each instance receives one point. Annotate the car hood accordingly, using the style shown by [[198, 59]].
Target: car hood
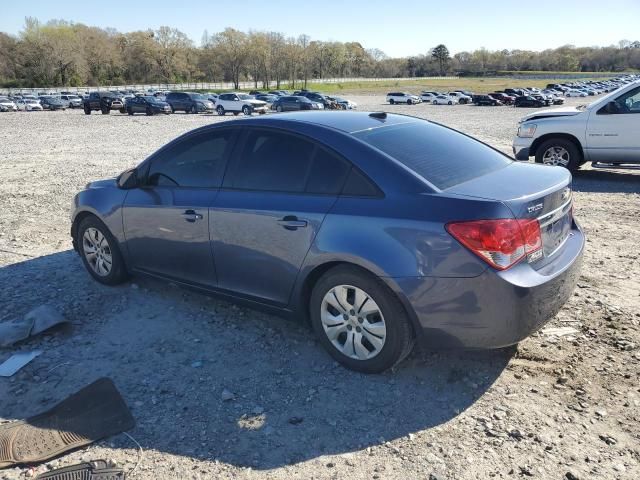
[[257, 103], [552, 112], [106, 183]]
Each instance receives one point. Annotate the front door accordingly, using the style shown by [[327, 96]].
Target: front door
[[166, 221], [612, 131], [276, 194]]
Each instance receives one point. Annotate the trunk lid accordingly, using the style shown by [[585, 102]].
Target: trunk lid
[[530, 191]]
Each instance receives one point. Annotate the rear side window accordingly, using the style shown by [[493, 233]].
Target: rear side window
[[442, 156], [280, 162], [197, 161]]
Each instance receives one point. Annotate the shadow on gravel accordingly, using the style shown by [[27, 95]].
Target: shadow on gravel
[[606, 181], [209, 380]]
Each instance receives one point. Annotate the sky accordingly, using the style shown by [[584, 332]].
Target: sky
[[397, 27]]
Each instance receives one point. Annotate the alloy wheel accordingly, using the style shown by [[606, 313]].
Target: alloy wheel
[[353, 322], [558, 156], [97, 251]]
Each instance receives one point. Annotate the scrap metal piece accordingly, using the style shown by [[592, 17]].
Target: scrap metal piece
[[95, 412], [95, 470], [16, 361]]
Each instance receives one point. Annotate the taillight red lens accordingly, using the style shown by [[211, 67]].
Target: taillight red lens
[[502, 242]]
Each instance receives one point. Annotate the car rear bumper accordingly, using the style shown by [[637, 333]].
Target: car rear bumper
[[494, 309]]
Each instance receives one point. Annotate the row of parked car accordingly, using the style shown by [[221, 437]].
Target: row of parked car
[[553, 94]]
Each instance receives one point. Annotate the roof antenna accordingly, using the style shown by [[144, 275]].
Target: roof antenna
[[380, 115]]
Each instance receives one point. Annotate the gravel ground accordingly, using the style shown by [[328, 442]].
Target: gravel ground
[[220, 391]]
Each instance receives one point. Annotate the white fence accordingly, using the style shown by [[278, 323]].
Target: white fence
[[208, 85]]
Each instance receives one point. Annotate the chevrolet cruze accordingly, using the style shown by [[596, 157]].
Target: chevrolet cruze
[[380, 230]]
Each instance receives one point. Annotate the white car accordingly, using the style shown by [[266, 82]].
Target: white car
[[239, 102], [427, 97], [346, 104], [444, 100], [605, 132], [7, 105], [575, 93], [28, 105], [402, 97], [460, 97]]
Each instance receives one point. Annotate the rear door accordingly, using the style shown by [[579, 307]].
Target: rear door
[[276, 194], [612, 133], [166, 221]]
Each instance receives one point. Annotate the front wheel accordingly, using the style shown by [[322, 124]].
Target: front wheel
[[123, 110], [246, 110], [99, 252], [409, 102], [559, 152], [87, 110], [193, 109], [129, 111], [359, 320], [279, 108], [220, 110], [391, 101]]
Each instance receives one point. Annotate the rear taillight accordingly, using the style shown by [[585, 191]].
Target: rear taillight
[[501, 243]]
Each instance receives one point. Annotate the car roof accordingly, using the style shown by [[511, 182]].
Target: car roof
[[348, 122]]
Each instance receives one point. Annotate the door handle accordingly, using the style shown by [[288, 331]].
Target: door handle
[[291, 222], [191, 216]]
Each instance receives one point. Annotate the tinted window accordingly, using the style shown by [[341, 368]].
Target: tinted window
[[276, 161], [197, 161], [441, 156], [358, 185]]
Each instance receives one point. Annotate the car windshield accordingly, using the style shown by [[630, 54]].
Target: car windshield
[[440, 155], [151, 99]]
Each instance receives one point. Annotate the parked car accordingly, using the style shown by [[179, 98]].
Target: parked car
[[212, 97], [256, 92], [427, 97], [486, 100], [74, 101], [317, 97], [605, 131], [529, 101], [515, 92], [239, 103], [295, 102], [53, 103], [7, 105], [575, 93], [267, 97], [280, 93], [402, 97], [328, 217], [343, 103], [29, 105], [503, 97], [103, 102], [444, 100], [149, 105], [460, 97], [189, 102]]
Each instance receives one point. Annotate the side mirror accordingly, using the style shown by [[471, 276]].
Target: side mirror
[[612, 107], [128, 179]]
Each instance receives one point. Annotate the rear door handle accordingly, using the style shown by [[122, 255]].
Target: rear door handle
[[191, 216], [291, 222]]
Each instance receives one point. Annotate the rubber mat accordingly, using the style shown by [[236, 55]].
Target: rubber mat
[[95, 412], [95, 470]]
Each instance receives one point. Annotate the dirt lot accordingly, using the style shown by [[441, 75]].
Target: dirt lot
[[553, 408]]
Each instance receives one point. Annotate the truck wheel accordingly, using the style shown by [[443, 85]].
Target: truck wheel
[[87, 110], [559, 152]]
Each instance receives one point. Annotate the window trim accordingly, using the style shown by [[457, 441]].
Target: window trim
[[145, 167]]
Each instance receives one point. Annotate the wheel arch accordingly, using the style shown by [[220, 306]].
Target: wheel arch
[[565, 136]]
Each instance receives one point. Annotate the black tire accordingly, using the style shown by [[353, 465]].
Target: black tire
[[399, 334], [118, 273], [279, 108], [575, 156], [193, 109], [87, 110], [105, 111], [123, 110], [173, 110], [391, 101], [247, 110], [409, 102], [129, 111], [220, 110], [450, 102]]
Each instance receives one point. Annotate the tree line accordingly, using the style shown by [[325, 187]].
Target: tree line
[[61, 53]]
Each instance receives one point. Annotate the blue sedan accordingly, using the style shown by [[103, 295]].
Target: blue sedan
[[379, 230]]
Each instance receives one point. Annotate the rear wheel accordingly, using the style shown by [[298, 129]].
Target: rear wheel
[[220, 110], [87, 110], [409, 102], [359, 320], [559, 152], [392, 101], [279, 108], [99, 252]]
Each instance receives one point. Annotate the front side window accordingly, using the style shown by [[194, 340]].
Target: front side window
[[628, 102], [196, 161]]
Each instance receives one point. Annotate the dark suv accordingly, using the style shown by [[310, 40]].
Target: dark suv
[[103, 102], [189, 102], [319, 98], [486, 100]]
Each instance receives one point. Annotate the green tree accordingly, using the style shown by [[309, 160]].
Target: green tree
[[441, 55]]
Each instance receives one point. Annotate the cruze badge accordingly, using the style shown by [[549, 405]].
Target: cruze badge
[[535, 208]]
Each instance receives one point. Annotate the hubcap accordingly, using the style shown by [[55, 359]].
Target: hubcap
[[353, 322], [556, 156], [97, 251]]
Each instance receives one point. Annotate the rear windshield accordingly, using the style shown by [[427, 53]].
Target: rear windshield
[[441, 156]]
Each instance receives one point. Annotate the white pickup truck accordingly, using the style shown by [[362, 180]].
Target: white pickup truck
[[606, 131]]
